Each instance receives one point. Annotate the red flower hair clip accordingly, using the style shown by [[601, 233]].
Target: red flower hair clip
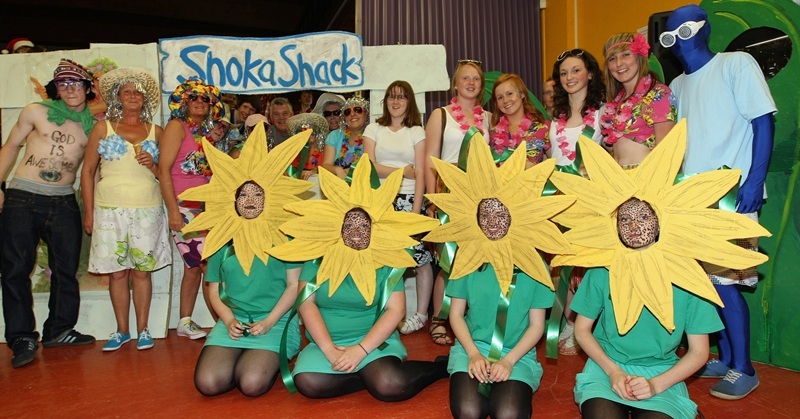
[[639, 46]]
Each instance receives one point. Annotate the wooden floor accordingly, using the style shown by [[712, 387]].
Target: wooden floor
[[81, 382]]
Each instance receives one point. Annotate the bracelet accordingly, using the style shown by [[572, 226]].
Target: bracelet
[[362, 348]]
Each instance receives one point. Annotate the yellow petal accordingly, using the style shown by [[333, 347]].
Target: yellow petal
[[364, 275], [585, 256], [530, 262], [481, 171], [653, 286], [687, 274], [658, 170], [468, 258], [701, 190], [360, 189], [627, 304], [724, 225], [682, 241], [299, 250]]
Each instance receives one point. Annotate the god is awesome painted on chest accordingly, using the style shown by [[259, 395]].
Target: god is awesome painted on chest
[[55, 159]]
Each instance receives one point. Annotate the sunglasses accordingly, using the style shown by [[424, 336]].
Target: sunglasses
[[194, 97], [577, 52], [327, 114], [63, 85], [357, 109], [686, 31], [476, 62]]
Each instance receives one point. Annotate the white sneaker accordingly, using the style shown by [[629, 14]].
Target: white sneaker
[[190, 330]]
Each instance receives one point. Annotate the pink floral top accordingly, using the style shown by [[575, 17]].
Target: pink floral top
[[634, 118], [537, 140]]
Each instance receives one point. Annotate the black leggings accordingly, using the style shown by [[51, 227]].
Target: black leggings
[[607, 409], [220, 369], [388, 379], [508, 399]]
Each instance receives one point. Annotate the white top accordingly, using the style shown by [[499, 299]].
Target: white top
[[396, 148], [719, 101], [453, 136], [572, 135]]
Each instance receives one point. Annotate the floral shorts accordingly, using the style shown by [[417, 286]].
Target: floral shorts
[[405, 203], [190, 245], [129, 238]]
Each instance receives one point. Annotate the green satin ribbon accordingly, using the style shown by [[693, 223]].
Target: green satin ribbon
[[296, 172], [374, 179], [305, 293], [572, 168], [727, 202], [553, 327], [447, 250], [498, 336]]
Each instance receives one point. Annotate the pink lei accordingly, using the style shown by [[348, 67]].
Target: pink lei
[[501, 139], [477, 113], [561, 137], [619, 112]]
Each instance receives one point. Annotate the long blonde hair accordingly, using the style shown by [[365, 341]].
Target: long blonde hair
[[615, 44]]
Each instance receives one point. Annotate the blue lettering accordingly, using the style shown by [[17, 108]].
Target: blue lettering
[[293, 80], [321, 73], [191, 63], [248, 66], [334, 76], [345, 64], [267, 78], [233, 64], [305, 68], [212, 62]]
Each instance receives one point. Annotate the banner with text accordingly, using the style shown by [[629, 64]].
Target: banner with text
[[316, 61]]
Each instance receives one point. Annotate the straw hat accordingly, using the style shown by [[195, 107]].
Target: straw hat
[[111, 82]]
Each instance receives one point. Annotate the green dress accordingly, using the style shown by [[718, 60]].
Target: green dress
[[482, 292], [348, 319], [251, 296], [647, 350]]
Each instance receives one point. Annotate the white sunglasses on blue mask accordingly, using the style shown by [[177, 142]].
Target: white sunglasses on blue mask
[[686, 31]]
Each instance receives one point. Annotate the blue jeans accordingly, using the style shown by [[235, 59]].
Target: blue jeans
[[27, 218]]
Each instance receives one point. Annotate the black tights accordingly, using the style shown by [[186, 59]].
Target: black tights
[[220, 369], [387, 379], [508, 399], [607, 409]]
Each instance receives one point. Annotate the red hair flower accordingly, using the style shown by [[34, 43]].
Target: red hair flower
[[639, 46]]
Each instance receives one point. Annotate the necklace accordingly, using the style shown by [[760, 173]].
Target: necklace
[[618, 113], [477, 116], [502, 139], [561, 137], [349, 156]]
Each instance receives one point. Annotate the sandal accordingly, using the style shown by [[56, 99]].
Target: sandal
[[413, 323], [439, 338], [567, 344]]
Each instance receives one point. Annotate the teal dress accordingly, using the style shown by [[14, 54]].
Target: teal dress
[[251, 296], [647, 350], [482, 292], [348, 319]]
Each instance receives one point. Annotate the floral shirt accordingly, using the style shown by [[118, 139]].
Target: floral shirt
[[634, 118], [537, 140]]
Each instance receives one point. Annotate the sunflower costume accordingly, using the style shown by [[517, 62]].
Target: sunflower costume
[[645, 299], [352, 283], [250, 282], [500, 274]]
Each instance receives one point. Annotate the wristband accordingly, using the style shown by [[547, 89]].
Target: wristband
[[362, 348]]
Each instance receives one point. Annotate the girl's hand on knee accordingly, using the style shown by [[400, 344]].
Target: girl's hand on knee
[[235, 329], [619, 384], [350, 358], [479, 368], [641, 388], [500, 371]]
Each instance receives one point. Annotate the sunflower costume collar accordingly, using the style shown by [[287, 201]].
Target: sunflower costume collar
[[317, 232], [251, 238], [689, 230], [520, 191]]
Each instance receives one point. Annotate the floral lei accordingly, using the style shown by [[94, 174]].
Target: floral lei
[[615, 119], [348, 156], [196, 162], [477, 115], [501, 139], [561, 137]]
